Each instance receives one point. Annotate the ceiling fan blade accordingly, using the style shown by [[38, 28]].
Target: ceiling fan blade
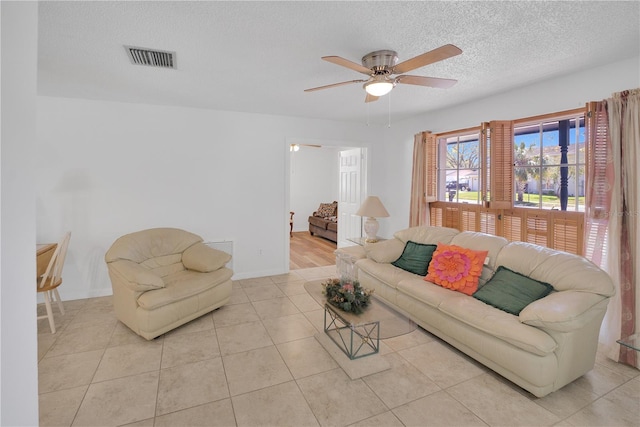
[[426, 81], [334, 85], [370, 98], [443, 52], [349, 64]]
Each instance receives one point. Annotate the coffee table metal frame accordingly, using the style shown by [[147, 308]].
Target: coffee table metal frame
[[356, 340]]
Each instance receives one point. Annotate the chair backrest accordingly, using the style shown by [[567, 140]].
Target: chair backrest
[[157, 249], [54, 270]]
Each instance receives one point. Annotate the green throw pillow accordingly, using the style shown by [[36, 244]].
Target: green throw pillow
[[511, 292], [415, 258]]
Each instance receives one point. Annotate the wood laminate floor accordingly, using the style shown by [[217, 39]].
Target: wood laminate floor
[[307, 251]]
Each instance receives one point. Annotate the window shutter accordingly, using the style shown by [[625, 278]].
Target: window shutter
[[488, 223], [431, 166], [436, 215], [512, 227], [500, 143], [485, 165], [477, 218], [537, 230], [568, 233], [468, 220], [451, 217]]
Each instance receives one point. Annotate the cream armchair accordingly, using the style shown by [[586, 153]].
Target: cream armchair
[[165, 277]]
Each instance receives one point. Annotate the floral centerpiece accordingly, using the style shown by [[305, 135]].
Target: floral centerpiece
[[347, 295]]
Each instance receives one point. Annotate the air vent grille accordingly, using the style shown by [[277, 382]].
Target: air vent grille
[[150, 57]]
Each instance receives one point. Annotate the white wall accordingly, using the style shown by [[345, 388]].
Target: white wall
[[314, 180], [18, 335], [391, 172], [105, 169]]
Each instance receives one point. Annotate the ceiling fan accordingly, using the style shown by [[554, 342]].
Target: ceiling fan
[[382, 65]]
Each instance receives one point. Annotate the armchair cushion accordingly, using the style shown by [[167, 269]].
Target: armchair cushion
[[204, 259], [137, 277], [183, 285]]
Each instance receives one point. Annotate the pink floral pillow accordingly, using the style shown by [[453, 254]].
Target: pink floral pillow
[[456, 268]]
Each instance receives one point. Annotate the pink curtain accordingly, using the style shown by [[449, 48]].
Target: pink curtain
[[600, 180], [613, 211], [418, 209]]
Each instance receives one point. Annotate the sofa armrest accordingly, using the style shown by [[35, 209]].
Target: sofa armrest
[[136, 277], [564, 311], [204, 259], [386, 251]]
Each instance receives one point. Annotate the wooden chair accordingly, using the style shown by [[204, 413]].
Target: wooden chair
[[52, 278], [291, 223]]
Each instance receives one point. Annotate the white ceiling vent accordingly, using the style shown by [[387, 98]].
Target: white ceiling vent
[[150, 57]]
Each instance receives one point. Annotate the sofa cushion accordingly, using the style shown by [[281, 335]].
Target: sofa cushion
[[415, 258], [499, 324], [332, 226], [423, 234], [318, 222], [427, 292], [385, 273], [457, 268], [326, 210], [511, 291], [385, 251], [204, 259], [563, 270], [181, 285]]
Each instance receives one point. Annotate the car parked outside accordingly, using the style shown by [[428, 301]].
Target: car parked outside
[[454, 185]]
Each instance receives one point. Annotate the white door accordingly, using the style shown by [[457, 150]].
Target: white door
[[350, 197]]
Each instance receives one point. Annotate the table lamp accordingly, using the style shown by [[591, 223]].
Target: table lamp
[[372, 208]]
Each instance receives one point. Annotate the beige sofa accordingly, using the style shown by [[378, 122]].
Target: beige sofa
[[549, 344], [165, 277]]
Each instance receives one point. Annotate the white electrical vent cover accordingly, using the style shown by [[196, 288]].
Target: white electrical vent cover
[[150, 57]]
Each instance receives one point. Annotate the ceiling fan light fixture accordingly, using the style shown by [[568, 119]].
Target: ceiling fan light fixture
[[378, 86]]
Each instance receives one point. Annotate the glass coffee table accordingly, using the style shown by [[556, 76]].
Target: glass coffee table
[[354, 335]]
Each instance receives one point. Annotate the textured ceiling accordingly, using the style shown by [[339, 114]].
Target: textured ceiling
[[260, 56]]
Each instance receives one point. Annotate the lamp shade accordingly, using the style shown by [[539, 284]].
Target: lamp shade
[[373, 208]]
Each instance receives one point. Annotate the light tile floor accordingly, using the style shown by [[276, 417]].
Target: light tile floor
[[255, 362]]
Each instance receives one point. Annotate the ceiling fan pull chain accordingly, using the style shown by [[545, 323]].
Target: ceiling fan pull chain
[[389, 124], [367, 104]]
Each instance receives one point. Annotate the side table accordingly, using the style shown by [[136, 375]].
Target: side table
[[632, 342], [363, 240]]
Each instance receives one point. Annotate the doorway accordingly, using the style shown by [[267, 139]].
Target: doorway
[[323, 172]]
